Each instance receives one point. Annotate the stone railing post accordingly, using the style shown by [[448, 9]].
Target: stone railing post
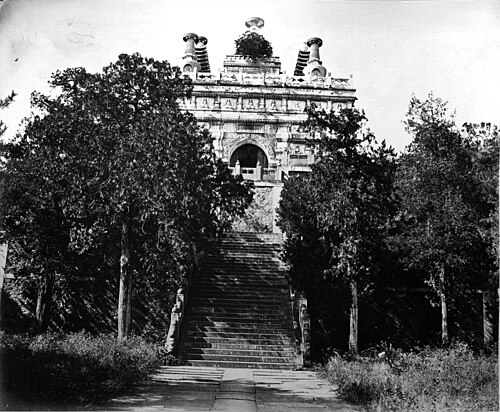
[[258, 172], [305, 328], [173, 334], [301, 328]]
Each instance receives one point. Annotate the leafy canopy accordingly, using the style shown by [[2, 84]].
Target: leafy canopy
[[109, 149]]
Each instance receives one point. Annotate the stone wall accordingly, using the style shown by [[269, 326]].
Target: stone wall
[[259, 216]]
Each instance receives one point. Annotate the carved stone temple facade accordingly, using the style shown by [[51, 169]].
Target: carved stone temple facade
[[253, 110]]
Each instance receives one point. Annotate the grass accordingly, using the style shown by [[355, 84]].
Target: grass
[[77, 368], [452, 379]]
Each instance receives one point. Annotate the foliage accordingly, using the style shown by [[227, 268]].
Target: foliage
[[253, 45], [335, 219], [426, 380], [3, 104], [445, 229], [115, 176], [76, 368]]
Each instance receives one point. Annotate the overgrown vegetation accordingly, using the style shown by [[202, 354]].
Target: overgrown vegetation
[[452, 379], [253, 45], [76, 368]]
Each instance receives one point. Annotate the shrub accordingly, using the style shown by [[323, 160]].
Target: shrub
[[253, 45], [430, 380], [74, 368]]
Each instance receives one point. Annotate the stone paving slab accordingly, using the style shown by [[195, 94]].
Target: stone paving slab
[[235, 390]]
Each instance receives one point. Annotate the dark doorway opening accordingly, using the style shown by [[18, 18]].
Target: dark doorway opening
[[248, 155]]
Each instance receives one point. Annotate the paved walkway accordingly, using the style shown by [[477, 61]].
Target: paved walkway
[[183, 388]]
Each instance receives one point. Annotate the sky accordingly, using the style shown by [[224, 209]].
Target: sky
[[393, 49]]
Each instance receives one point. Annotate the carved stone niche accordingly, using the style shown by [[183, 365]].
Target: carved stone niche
[[231, 141]]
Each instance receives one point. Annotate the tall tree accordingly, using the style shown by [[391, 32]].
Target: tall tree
[[443, 209], [114, 161], [351, 190]]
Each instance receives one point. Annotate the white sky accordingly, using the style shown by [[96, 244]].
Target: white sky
[[392, 48]]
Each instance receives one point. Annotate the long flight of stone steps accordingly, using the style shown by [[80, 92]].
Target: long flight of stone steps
[[240, 315]]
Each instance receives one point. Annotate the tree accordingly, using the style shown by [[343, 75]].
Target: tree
[[351, 199], [116, 166], [443, 237], [3, 104]]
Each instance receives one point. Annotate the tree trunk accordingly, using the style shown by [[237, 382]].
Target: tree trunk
[[43, 302], [353, 319], [125, 291], [444, 309]]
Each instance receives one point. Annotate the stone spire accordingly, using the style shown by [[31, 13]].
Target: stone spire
[[314, 65], [202, 55], [190, 62], [302, 59]]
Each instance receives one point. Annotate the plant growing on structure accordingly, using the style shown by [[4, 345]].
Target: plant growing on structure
[[253, 45]]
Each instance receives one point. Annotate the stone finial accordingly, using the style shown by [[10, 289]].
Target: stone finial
[[314, 66], [314, 44], [191, 62], [254, 23], [190, 39]]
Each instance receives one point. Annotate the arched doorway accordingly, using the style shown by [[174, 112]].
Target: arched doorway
[[248, 155]]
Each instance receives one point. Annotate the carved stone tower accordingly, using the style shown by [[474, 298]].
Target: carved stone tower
[[253, 110]]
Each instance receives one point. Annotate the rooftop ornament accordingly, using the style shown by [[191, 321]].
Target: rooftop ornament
[[251, 44]]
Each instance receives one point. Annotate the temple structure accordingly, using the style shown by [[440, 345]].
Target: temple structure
[[253, 110]]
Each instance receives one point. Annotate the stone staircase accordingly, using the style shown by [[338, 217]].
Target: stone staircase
[[240, 315]]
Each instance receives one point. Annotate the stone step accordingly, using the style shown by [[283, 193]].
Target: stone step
[[237, 301], [242, 336], [246, 346], [236, 358], [253, 236], [231, 317], [230, 283], [255, 323], [241, 248], [243, 296], [269, 270], [238, 329], [290, 353], [244, 259], [218, 287], [237, 277], [246, 365], [229, 342], [245, 311]]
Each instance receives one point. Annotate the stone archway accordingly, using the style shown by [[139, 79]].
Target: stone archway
[[249, 154]]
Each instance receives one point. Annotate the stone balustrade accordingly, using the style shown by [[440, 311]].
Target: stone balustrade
[[270, 79], [258, 174]]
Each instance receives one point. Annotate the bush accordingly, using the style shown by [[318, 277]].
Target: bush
[[253, 45], [76, 368], [429, 380]]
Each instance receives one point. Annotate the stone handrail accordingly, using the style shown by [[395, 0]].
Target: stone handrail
[[301, 328]]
